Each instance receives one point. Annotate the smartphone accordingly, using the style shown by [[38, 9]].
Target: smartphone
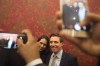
[[8, 40], [74, 12]]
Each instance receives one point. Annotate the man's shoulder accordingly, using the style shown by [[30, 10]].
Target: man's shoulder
[[69, 55], [69, 59]]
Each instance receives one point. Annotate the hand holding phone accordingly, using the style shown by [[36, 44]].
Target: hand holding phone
[[74, 12]]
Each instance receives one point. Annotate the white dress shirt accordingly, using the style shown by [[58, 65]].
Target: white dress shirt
[[57, 61], [35, 62]]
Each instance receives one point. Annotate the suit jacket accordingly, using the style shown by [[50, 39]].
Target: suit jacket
[[66, 60]]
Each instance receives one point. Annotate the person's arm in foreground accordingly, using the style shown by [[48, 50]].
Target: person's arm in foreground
[[30, 50], [90, 45]]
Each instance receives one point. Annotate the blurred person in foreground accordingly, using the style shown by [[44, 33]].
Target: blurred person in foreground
[[26, 50]]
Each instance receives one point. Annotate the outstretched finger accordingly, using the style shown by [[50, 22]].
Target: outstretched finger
[[19, 43], [67, 34], [58, 15], [90, 18], [60, 24]]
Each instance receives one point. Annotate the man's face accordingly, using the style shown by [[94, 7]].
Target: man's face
[[55, 44]]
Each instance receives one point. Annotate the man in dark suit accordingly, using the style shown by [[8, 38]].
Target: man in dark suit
[[59, 57]]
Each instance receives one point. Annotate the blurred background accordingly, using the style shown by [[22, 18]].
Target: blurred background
[[39, 16]]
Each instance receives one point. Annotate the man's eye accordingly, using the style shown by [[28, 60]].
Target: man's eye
[[50, 41], [55, 42], [41, 43]]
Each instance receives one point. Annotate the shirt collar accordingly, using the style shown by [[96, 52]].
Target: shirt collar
[[59, 54]]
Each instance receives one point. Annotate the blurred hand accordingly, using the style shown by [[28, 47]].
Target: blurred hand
[[91, 45], [30, 50]]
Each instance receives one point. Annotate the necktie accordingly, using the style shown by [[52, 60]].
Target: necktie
[[53, 61]]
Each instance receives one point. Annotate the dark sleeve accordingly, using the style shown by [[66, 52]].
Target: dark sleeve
[[98, 62]]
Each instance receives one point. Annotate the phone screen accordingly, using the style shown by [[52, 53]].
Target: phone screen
[[8, 40], [74, 12]]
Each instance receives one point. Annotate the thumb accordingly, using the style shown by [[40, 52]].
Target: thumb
[[19, 43]]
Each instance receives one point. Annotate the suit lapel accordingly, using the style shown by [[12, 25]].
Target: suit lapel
[[62, 59]]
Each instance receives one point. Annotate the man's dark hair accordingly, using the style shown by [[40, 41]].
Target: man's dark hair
[[57, 35]]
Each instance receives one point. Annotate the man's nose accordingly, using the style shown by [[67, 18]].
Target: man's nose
[[42, 45], [52, 44]]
